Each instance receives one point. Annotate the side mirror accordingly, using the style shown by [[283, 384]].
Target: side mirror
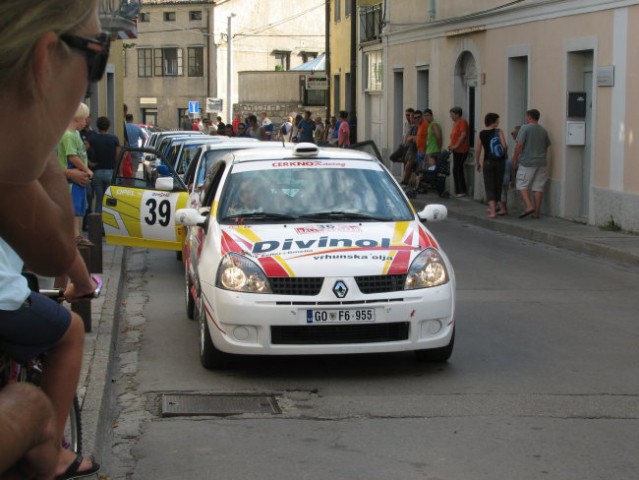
[[433, 213], [165, 184], [190, 217]]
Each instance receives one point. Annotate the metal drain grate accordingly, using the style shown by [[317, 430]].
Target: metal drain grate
[[188, 405]]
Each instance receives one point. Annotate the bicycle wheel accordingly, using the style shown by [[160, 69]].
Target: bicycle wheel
[[72, 439]]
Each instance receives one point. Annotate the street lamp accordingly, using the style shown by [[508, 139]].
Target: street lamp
[[229, 70]]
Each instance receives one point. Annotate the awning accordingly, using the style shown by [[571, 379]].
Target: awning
[[318, 64]]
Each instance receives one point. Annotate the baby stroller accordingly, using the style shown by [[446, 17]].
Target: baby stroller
[[433, 177]]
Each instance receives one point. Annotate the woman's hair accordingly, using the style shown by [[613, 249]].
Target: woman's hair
[[490, 118], [23, 22]]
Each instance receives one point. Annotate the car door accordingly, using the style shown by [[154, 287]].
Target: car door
[[197, 235], [139, 212]]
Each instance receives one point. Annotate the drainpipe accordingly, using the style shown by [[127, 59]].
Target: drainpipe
[[432, 10], [327, 54], [353, 113]]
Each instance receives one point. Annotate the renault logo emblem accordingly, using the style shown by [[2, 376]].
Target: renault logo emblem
[[340, 290]]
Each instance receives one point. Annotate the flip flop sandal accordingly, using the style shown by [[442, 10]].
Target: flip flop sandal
[[72, 470]]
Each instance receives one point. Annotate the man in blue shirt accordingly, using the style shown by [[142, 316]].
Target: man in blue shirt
[[136, 137], [306, 128]]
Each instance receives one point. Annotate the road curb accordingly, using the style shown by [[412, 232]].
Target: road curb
[[100, 355]]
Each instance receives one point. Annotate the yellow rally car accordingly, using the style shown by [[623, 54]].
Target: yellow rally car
[[141, 213]]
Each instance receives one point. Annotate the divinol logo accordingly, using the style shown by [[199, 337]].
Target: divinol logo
[[340, 290]]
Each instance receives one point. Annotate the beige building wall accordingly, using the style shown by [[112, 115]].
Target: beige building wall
[[260, 31], [563, 48]]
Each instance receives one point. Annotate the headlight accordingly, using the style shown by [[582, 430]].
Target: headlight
[[427, 270], [240, 274]]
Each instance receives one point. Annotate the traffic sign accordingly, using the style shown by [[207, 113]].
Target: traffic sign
[[194, 107]]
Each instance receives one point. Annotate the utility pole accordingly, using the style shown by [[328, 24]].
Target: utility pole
[[229, 71]]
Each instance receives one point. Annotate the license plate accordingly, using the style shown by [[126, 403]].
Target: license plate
[[359, 315]]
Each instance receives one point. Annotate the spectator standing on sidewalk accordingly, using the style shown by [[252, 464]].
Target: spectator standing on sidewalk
[[136, 137], [344, 131], [331, 127], [409, 158], [509, 175], [186, 123], [491, 165], [72, 154], [306, 128], [531, 157], [319, 133], [459, 145], [267, 126], [254, 129], [434, 139], [44, 75], [106, 148]]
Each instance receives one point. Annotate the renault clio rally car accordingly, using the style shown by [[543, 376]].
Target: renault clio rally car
[[304, 250]]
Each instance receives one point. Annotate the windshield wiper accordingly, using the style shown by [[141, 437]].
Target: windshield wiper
[[341, 215], [259, 216]]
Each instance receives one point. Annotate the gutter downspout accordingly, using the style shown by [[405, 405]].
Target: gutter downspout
[[327, 53], [353, 113], [432, 11]]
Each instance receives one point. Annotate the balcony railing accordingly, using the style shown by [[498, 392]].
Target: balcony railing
[[371, 22], [118, 16]]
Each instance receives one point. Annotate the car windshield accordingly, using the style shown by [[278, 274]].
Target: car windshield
[[312, 195]]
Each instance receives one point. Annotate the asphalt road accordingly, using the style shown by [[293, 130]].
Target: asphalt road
[[543, 382]]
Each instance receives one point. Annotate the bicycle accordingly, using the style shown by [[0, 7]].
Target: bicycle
[[12, 370]]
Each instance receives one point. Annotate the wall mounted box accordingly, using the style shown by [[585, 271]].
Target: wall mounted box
[[575, 133]]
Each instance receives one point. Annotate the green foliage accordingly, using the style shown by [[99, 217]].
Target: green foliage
[[611, 226]]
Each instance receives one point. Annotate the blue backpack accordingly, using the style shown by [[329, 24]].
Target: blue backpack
[[496, 147]]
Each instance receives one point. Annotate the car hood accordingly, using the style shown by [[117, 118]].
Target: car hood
[[332, 249]]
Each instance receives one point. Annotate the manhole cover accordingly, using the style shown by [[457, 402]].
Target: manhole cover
[[187, 405]]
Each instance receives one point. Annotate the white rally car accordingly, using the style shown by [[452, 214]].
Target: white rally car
[[304, 250]]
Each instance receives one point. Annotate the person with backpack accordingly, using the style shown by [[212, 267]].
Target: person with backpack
[[493, 163]]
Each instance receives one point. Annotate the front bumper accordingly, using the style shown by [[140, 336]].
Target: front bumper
[[265, 324]]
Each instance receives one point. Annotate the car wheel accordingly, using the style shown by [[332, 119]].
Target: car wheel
[[437, 355], [210, 357], [190, 302]]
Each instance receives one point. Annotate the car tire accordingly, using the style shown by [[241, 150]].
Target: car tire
[[190, 301], [210, 357], [436, 355]]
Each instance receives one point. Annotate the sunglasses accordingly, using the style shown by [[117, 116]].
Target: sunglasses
[[96, 52]]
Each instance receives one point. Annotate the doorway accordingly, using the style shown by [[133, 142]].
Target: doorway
[[578, 167], [464, 93]]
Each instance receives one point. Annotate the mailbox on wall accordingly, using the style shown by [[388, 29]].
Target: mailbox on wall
[[577, 104], [576, 133]]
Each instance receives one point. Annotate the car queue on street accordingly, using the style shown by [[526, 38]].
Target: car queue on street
[[289, 249]]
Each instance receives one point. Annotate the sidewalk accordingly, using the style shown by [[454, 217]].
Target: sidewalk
[[94, 388], [100, 344]]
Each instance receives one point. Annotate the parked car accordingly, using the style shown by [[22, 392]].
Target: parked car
[[140, 212], [183, 151], [301, 250], [159, 141]]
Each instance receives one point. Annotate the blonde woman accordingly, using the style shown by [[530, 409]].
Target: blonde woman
[[47, 59]]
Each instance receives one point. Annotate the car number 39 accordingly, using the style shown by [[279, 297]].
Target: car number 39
[[340, 316]]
